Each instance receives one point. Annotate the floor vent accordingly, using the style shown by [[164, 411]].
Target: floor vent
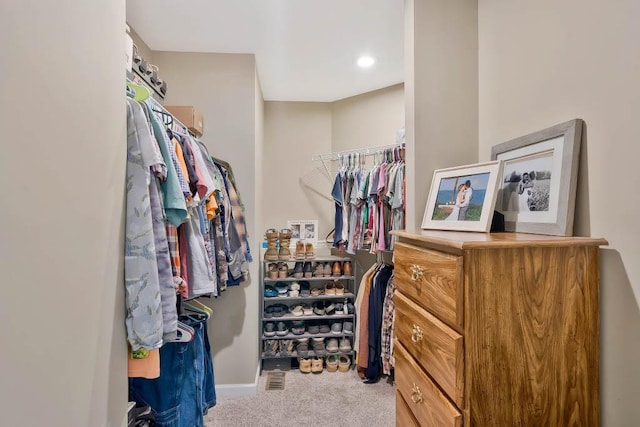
[[275, 381]]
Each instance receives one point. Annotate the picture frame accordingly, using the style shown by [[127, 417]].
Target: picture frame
[[452, 206], [548, 160], [305, 230]]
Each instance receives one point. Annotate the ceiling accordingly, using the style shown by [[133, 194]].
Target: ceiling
[[306, 50]]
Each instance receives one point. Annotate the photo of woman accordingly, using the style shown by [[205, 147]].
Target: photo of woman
[[453, 216]]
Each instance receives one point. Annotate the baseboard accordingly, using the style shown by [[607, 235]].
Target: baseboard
[[238, 390]]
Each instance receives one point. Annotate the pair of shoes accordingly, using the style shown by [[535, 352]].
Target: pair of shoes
[[304, 250], [275, 310], [344, 363], [270, 291], [317, 365], [332, 362]]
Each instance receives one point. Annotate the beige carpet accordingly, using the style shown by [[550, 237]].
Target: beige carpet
[[327, 399]]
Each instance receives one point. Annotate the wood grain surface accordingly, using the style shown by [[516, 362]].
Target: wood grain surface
[[440, 349], [439, 289], [404, 417], [531, 336], [434, 409]]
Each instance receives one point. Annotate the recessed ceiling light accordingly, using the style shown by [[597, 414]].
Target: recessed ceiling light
[[366, 61]]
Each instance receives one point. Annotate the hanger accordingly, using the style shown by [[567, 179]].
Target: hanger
[[200, 305], [185, 333], [141, 93]]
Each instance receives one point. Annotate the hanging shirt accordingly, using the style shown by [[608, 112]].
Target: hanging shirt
[[142, 290], [336, 193]]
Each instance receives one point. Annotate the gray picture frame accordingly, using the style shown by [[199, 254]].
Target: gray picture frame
[[558, 147]]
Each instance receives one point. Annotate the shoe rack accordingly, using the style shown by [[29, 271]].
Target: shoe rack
[[297, 289]]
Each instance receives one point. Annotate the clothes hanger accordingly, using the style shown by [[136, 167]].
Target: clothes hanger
[[141, 92], [202, 306]]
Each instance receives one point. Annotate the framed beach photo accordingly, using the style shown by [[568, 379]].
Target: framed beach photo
[[463, 198], [538, 183]]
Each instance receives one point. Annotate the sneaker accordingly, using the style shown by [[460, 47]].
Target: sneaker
[[307, 270], [269, 329], [347, 327], [345, 345], [282, 288], [314, 329], [332, 345], [317, 365], [297, 270], [336, 328], [325, 328], [270, 291], [344, 363], [327, 269], [282, 329], [332, 362], [297, 327], [308, 251], [347, 268], [336, 269]]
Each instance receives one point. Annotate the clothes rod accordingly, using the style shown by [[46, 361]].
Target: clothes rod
[[363, 151]]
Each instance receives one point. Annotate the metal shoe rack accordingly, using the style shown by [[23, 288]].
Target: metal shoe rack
[[266, 349]]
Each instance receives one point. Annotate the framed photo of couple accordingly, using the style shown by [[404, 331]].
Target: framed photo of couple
[[463, 198], [538, 183]]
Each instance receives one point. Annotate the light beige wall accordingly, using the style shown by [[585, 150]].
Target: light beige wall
[[259, 160], [441, 93], [367, 120], [143, 48], [543, 62], [223, 88], [62, 169], [295, 187]]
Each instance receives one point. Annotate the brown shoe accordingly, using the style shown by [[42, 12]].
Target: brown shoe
[[300, 250], [347, 268], [272, 240], [336, 269], [308, 251], [285, 238], [273, 270], [317, 365]]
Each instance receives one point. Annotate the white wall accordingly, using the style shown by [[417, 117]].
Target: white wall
[[62, 170], [367, 120], [544, 62], [223, 88], [441, 93], [294, 187]]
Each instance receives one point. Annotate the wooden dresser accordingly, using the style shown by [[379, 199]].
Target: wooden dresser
[[496, 330]]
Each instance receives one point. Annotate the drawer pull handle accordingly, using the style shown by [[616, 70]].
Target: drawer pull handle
[[417, 272], [416, 333], [416, 394]]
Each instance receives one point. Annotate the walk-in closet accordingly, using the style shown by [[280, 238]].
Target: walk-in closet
[[367, 213]]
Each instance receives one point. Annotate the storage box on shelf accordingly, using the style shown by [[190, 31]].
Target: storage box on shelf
[[310, 316], [496, 329]]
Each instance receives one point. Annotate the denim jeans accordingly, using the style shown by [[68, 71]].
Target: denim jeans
[[185, 390]]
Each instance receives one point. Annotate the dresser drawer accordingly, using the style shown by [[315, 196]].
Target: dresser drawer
[[433, 279], [404, 417], [429, 406], [437, 347]]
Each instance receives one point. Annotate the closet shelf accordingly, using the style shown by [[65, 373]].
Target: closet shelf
[[308, 335], [328, 258], [311, 353], [309, 279], [312, 317], [317, 297]]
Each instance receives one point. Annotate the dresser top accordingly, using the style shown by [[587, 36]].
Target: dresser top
[[468, 240]]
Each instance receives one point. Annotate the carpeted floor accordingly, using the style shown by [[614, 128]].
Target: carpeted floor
[[319, 400]]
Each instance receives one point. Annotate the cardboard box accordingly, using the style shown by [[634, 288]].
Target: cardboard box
[[189, 116]]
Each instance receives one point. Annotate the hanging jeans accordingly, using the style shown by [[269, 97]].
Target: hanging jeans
[[185, 389]]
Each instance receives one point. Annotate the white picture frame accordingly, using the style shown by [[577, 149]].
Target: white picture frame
[[447, 208], [537, 188], [305, 230]]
